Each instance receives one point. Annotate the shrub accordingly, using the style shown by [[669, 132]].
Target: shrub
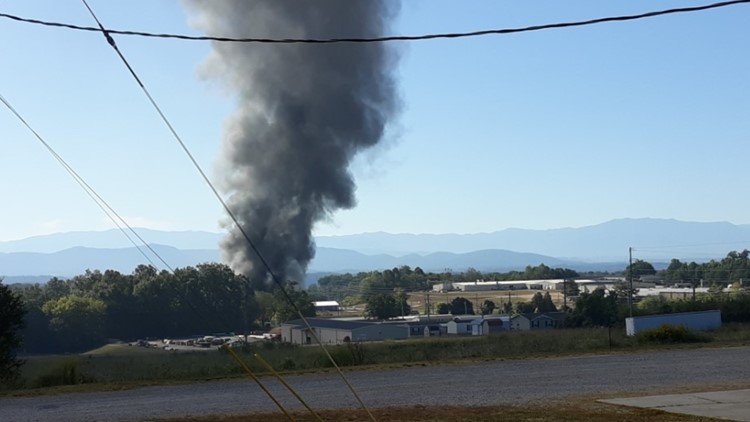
[[64, 373], [288, 364], [669, 334]]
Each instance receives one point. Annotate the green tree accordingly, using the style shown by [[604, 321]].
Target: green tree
[[11, 323], [639, 268], [79, 322], [283, 309], [472, 274], [55, 289], [266, 306], [655, 305], [544, 272], [622, 290], [570, 288], [543, 303], [525, 307], [676, 272], [385, 306], [462, 306], [595, 309], [488, 307], [507, 308], [402, 302], [443, 308], [547, 304]]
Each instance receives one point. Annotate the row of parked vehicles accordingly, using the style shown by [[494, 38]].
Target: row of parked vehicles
[[205, 341], [214, 341]]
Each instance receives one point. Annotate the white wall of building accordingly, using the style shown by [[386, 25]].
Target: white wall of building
[[700, 321]]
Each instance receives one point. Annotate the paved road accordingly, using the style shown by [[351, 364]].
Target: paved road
[[488, 383]]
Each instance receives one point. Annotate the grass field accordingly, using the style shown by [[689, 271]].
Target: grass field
[[119, 366]]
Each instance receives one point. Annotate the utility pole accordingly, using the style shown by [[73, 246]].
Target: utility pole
[[510, 306], [695, 270], [630, 276], [428, 306]]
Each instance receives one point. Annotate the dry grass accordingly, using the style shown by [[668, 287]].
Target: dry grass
[[587, 410]]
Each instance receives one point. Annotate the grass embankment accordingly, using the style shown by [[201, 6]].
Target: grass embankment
[[122, 366]]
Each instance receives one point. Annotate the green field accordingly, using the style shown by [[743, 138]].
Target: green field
[[118, 366]]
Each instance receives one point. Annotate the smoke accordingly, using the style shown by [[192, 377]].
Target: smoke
[[304, 111]]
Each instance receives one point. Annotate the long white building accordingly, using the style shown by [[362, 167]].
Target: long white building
[[546, 284]]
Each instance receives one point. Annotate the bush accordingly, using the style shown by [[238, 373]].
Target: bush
[[64, 373], [288, 364], [669, 334], [351, 354]]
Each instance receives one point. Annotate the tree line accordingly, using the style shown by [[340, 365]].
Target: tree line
[[89, 309], [92, 308], [357, 288], [734, 269]]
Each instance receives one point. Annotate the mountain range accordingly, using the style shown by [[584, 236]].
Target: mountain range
[[660, 238], [599, 247]]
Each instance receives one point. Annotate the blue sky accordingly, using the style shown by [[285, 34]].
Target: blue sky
[[559, 128]]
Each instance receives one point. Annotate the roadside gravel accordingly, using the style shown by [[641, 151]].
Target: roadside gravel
[[474, 384]]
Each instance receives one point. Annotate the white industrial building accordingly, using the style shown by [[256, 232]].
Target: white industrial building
[[326, 306], [587, 285]]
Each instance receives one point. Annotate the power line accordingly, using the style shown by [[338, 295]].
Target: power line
[[229, 212], [104, 206], [448, 35], [100, 202]]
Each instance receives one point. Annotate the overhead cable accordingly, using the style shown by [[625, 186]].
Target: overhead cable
[[230, 213], [448, 35], [110, 212], [103, 205]]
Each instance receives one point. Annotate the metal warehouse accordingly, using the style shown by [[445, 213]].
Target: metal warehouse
[[331, 331]]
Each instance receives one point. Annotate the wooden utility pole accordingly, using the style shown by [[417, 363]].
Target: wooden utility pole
[[511, 303], [630, 276], [428, 306]]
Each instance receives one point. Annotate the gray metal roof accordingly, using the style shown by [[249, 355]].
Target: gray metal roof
[[330, 323], [560, 316]]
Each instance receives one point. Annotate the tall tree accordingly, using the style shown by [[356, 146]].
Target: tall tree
[[385, 306], [639, 269], [11, 323], [570, 288], [596, 309], [443, 308], [488, 307], [284, 311], [79, 322], [547, 304], [622, 290], [461, 306]]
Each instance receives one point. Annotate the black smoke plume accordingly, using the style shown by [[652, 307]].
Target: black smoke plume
[[304, 111]]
